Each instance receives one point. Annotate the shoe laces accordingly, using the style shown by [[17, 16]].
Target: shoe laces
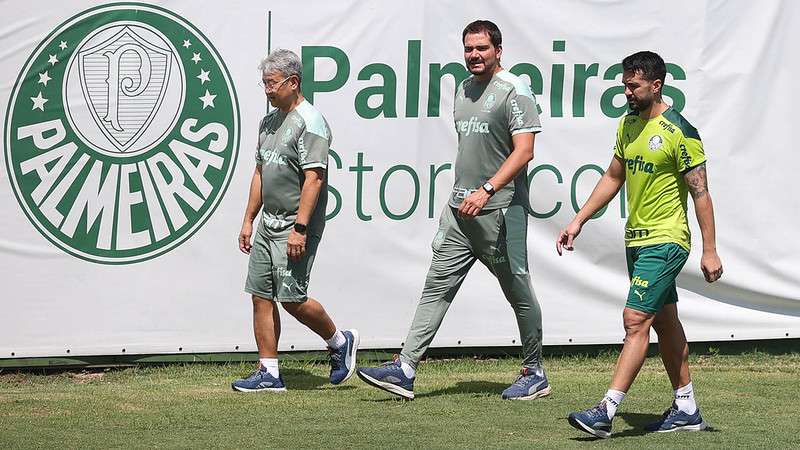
[[255, 373], [335, 357], [395, 360], [598, 411], [671, 412], [668, 412], [522, 380]]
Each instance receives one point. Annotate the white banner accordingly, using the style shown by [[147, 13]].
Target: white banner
[[130, 131]]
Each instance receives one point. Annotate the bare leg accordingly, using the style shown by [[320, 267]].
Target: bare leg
[[634, 350], [672, 345], [266, 327], [311, 314]]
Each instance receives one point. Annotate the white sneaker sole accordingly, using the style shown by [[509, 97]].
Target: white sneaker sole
[[699, 427], [388, 387], [241, 389], [538, 394], [351, 362], [599, 433]]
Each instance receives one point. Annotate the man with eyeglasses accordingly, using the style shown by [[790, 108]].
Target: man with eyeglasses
[[289, 186]]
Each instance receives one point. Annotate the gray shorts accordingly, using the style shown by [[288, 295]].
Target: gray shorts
[[271, 275]]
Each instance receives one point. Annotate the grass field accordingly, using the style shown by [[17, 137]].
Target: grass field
[[750, 400]]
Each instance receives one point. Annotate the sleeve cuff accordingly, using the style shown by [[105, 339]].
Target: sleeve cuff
[[314, 165], [527, 130]]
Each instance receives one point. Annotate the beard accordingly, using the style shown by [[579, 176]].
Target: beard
[[639, 104], [485, 67]]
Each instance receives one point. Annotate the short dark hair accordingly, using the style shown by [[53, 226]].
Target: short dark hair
[[484, 26], [649, 64]]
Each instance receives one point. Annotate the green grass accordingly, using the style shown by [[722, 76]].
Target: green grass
[[751, 400]]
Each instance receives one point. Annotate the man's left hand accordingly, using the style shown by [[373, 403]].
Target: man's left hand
[[473, 204], [295, 245]]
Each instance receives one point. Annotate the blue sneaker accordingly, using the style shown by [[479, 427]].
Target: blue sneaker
[[529, 385], [389, 377], [594, 421], [674, 419], [259, 381], [343, 359], [653, 427]]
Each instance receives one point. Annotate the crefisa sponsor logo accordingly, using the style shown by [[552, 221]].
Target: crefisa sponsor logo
[[636, 233], [122, 133]]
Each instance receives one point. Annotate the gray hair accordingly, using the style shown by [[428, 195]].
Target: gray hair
[[284, 61]]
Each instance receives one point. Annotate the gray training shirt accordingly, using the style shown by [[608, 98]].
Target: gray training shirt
[[289, 143], [486, 115]]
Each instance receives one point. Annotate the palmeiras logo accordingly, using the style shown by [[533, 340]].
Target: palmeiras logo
[[122, 133], [488, 104], [655, 142]]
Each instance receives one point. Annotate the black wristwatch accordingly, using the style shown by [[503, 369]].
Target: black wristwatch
[[300, 228], [488, 188]]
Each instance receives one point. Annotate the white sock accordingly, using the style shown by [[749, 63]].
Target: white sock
[[408, 371], [613, 398], [271, 364], [336, 341], [684, 399]]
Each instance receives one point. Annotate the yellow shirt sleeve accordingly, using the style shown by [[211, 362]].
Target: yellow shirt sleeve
[[618, 147], [690, 153]]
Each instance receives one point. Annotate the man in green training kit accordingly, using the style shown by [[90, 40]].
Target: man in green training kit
[[496, 120], [290, 182], [659, 156]]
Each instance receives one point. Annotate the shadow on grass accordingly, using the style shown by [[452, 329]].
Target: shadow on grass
[[638, 422], [388, 399], [303, 380], [476, 388]]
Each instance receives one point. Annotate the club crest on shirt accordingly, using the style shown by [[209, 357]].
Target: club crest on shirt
[[489, 103], [287, 136], [656, 142]]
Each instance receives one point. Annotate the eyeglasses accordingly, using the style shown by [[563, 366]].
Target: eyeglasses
[[271, 86]]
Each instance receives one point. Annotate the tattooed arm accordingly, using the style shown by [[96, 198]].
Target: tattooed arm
[[697, 182]]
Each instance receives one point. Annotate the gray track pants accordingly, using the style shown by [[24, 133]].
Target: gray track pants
[[498, 238]]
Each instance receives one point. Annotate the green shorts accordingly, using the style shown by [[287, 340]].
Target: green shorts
[[272, 275], [652, 270]]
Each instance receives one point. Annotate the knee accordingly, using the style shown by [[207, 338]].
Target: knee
[[637, 324], [660, 325], [292, 308], [261, 304]]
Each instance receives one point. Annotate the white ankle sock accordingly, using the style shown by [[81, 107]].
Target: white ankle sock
[[408, 371], [684, 399], [271, 364], [613, 399], [336, 341]]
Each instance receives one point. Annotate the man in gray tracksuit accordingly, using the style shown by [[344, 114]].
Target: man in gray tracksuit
[[496, 120]]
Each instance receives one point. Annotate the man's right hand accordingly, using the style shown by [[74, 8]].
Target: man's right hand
[[567, 236], [244, 238]]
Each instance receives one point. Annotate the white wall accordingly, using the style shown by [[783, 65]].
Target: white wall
[[737, 60]]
